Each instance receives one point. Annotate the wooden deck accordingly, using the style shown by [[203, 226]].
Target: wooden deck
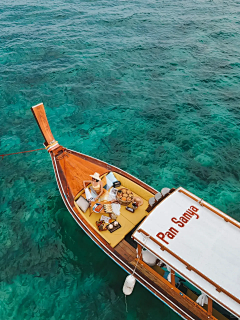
[[125, 250]]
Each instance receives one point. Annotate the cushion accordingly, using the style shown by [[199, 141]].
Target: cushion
[[151, 201], [111, 177], [83, 204], [158, 196], [109, 183]]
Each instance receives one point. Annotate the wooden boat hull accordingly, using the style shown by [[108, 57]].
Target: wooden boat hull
[[140, 277], [123, 254]]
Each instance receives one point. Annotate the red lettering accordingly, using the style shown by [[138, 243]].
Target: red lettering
[[187, 216], [190, 212], [193, 213], [173, 230], [184, 220], [161, 236], [170, 235], [194, 209], [179, 223]]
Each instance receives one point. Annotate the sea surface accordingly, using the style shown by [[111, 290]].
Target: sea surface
[[152, 87]]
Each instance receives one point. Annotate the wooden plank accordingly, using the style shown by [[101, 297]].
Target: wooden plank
[[210, 307], [125, 244], [115, 169], [139, 251], [173, 278], [124, 249], [41, 118], [77, 170]]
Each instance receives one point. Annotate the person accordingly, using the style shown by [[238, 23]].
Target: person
[[96, 185]]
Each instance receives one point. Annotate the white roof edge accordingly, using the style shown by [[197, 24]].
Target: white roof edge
[[211, 206]]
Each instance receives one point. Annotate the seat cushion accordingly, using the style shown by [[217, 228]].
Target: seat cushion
[[134, 187], [82, 203]]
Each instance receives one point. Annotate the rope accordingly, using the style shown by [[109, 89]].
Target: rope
[[10, 154], [136, 265], [126, 303], [145, 238], [51, 144]]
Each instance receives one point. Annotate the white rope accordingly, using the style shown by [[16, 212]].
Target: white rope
[[126, 303], [145, 238], [136, 265]]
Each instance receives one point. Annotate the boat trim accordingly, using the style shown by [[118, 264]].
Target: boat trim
[[222, 215]]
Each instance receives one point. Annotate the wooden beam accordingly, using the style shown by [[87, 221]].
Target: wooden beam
[[173, 277], [139, 251], [41, 118], [209, 306]]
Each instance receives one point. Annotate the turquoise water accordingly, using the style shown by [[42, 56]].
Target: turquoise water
[[151, 87]]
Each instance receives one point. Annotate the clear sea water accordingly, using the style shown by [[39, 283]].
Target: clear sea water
[[152, 87]]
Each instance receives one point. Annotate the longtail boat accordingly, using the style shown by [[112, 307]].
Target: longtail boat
[[182, 249]]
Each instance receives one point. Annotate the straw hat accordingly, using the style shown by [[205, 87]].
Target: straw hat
[[95, 176], [138, 200]]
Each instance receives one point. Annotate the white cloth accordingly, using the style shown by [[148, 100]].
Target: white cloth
[[105, 219], [104, 196], [202, 299], [169, 275], [116, 208], [112, 194], [88, 194]]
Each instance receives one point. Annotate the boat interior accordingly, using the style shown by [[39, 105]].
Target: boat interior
[[123, 243], [126, 219]]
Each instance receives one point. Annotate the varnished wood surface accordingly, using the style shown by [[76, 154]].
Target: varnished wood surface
[[42, 121], [76, 170], [124, 249]]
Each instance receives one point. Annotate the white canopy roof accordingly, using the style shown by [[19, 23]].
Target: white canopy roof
[[195, 235]]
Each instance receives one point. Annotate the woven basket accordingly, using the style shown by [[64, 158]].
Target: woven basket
[[120, 195]]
